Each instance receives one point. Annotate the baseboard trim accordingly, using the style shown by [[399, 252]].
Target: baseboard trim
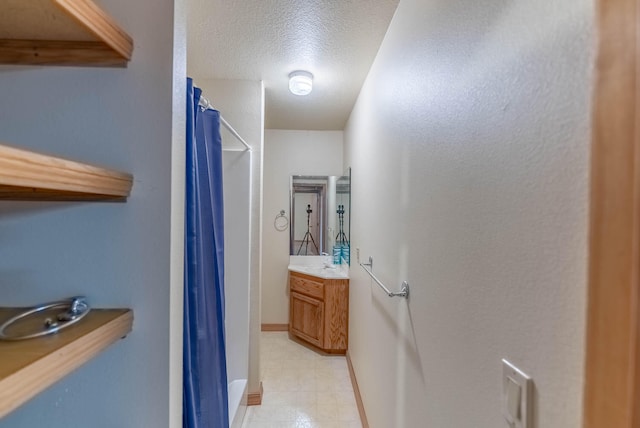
[[255, 398], [275, 327], [356, 391]]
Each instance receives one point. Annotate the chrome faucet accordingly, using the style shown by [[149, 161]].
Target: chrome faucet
[[328, 260]]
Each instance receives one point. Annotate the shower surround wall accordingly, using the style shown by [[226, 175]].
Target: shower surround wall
[[289, 153], [117, 254], [237, 211], [469, 144]]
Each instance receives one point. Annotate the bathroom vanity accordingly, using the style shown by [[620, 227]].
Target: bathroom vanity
[[320, 209], [319, 307]]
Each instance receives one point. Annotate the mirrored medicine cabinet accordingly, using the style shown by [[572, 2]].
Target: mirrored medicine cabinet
[[320, 208]]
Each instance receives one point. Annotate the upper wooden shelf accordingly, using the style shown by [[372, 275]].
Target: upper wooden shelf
[[61, 32], [26, 175], [28, 367]]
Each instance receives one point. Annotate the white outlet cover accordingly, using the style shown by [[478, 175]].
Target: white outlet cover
[[516, 396]]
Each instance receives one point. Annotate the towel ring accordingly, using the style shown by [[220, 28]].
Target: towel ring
[[283, 224], [76, 308]]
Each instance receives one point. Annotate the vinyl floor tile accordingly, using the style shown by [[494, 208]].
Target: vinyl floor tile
[[302, 389]]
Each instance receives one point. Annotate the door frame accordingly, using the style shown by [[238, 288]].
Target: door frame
[[612, 377], [320, 189]]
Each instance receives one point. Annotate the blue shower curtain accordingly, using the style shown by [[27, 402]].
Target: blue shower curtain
[[205, 370]]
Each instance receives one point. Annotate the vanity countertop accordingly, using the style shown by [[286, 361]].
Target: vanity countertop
[[315, 266], [321, 271]]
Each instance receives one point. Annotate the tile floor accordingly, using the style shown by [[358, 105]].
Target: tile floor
[[302, 389]]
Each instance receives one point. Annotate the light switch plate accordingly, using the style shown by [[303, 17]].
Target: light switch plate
[[516, 396]]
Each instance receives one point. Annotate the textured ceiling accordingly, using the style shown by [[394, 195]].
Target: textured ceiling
[[336, 40]]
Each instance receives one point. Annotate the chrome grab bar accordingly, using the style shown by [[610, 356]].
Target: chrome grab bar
[[404, 291], [76, 308]]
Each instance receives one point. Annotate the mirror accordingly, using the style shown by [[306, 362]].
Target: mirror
[[320, 208]]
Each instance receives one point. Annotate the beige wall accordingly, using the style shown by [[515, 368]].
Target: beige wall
[[469, 145], [289, 153]]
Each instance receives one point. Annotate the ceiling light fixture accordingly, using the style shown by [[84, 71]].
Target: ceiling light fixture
[[300, 82]]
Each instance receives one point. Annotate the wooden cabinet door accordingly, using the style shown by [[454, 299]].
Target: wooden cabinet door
[[336, 322], [307, 315]]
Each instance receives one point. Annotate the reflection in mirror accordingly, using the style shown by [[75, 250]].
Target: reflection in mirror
[[320, 215]]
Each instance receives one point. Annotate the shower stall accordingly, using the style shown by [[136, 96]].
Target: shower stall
[[218, 228]]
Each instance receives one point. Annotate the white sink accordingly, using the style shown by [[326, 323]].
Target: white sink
[[338, 272]]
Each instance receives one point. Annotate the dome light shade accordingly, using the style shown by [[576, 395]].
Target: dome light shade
[[300, 82]]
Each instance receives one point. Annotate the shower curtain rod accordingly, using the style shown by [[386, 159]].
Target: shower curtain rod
[[204, 103]]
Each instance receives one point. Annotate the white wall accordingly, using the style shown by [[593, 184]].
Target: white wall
[[237, 218], [469, 145], [241, 103], [118, 254], [289, 153], [178, 188]]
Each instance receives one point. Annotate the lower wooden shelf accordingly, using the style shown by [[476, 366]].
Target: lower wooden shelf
[[30, 366]]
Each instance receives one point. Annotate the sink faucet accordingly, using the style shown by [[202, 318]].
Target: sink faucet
[[328, 260]]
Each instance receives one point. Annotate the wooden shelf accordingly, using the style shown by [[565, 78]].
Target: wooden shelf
[[26, 175], [30, 366], [61, 32]]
